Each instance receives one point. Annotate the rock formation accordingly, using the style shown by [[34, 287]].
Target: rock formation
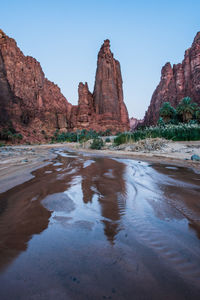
[[108, 92], [35, 107], [176, 82], [28, 100], [134, 123], [105, 108]]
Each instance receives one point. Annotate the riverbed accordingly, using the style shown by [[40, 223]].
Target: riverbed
[[91, 227]]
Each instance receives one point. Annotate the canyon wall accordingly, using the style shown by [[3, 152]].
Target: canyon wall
[[30, 102], [177, 82], [35, 106]]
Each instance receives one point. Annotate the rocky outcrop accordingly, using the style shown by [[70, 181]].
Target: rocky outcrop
[[105, 108], [35, 107], [134, 123], [176, 82], [108, 92], [33, 104], [83, 113]]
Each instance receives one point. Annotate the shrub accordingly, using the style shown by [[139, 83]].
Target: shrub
[[118, 133], [107, 140], [123, 138], [97, 144], [107, 132]]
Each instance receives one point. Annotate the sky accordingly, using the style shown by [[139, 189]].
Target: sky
[[65, 37]]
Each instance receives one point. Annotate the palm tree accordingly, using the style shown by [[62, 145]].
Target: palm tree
[[186, 109], [198, 114], [167, 112]]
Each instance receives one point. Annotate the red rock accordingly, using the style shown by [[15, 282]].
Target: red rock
[[180, 81], [82, 114], [105, 108], [134, 123], [30, 101], [108, 92], [36, 107]]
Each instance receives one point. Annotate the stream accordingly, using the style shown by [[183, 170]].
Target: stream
[[92, 227]]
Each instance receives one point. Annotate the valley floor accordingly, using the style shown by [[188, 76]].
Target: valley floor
[[18, 162]]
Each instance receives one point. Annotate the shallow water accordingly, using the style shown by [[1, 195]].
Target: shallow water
[[88, 227]]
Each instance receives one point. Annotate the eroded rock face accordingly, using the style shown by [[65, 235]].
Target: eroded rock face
[[36, 107], [105, 108], [27, 99], [83, 113], [134, 123], [108, 92], [176, 82]]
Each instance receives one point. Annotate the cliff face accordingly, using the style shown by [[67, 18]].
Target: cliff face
[[176, 82], [35, 106], [27, 99], [108, 92], [105, 108]]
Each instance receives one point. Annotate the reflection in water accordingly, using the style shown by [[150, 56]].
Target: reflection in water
[[21, 207], [53, 229], [181, 190], [105, 179]]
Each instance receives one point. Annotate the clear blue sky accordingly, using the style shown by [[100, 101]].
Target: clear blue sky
[[65, 37]]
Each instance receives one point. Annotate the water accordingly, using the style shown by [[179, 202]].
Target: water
[[88, 227]]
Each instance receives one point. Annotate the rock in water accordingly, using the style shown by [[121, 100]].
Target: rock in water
[[181, 80]]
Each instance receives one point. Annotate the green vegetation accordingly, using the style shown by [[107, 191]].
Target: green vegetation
[[97, 144], [180, 124], [10, 134], [167, 112], [180, 132], [107, 140], [187, 109], [78, 136], [185, 112]]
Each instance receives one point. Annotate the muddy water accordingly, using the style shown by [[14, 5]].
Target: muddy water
[[88, 227]]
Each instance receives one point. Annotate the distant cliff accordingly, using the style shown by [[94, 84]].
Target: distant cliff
[[35, 106], [177, 82], [134, 123]]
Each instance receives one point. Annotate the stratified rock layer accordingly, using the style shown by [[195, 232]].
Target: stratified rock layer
[[176, 82], [35, 107]]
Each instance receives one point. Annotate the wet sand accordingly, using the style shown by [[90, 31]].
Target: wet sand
[[93, 227], [17, 162]]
